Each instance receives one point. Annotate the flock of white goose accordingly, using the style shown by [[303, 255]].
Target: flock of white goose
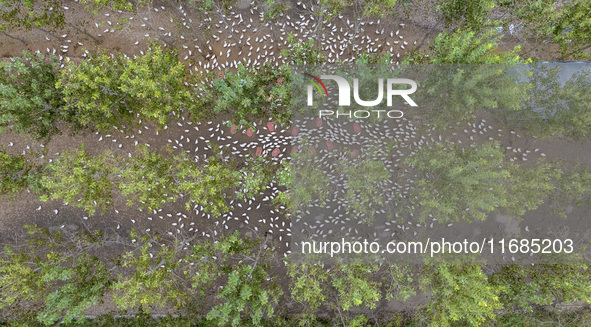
[[221, 42]]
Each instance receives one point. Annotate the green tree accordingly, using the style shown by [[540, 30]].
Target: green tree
[[361, 11], [466, 13], [554, 108], [309, 285], [106, 92], [16, 174], [247, 288], [148, 179], [20, 14], [467, 46], [257, 174], [340, 286], [247, 95], [300, 53], [209, 186], [355, 285], [398, 282], [151, 179], [52, 277], [537, 23], [363, 183], [151, 279], [467, 73], [572, 187], [377, 8], [542, 284], [29, 100], [94, 6], [453, 180], [529, 187], [31, 14], [18, 284], [304, 180], [81, 179], [566, 25], [83, 285], [459, 293], [457, 183]]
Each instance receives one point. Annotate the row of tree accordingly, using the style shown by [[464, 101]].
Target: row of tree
[[147, 179], [53, 276], [542, 26], [103, 92], [40, 100]]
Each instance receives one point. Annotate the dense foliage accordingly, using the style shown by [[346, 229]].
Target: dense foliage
[[29, 100], [147, 180], [106, 92], [57, 273], [54, 275]]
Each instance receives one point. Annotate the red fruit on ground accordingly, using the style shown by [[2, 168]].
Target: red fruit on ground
[[233, 129], [356, 127], [354, 154], [319, 122], [294, 149], [275, 152], [249, 132], [259, 151], [329, 145], [295, 131], [270, 127]]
